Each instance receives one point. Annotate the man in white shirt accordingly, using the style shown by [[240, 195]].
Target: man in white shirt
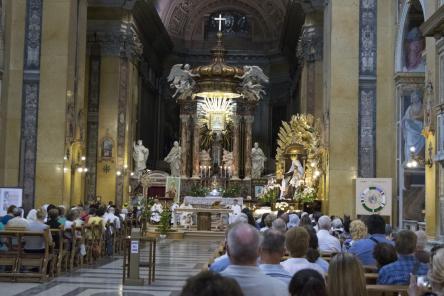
[[327, 242], [297, 241], [243, 251], [18, 220]]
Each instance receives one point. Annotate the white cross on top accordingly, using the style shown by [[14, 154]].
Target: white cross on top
[[220, 19]]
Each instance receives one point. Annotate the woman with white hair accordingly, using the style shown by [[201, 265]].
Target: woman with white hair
[[32, 215]]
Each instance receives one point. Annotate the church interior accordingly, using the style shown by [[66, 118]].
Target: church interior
[[139, 139]]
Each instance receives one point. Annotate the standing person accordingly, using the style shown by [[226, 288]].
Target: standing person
[[236, 208], [363, 249], [243, 251], [346, 276]]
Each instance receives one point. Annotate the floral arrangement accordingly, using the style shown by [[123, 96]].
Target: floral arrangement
[[305, 194], [282, 206], [199, 191], [271, 193], [231, 191]]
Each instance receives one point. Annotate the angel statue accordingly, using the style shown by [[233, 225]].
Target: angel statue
[[181, 79], [252, 81], [227, 158]]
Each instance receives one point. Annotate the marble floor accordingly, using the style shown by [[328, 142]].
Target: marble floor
[[176, 261]]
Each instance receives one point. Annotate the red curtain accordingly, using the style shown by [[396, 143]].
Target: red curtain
[[158, 191]]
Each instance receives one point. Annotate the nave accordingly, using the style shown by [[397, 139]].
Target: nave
[[176, 261]]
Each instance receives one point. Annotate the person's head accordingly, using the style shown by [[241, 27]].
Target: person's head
[[32, 215], [40, 215], [346, 223], [436, 270], [375, 224], [235, 201], [256, 144], [268, 221], [100, 211], [305, 220], [316, 216], [17, 212], [243, 244], [272, 247], [324, 223], [10, 210], [176, 144], [61, 210], [279, 225], [139, 142], [346, 276], [53, 214], [405, 243], [358, 230], [284, 217], [307, 282], [313, 245], [421, 240], [384, 254], [210, 283], [297, 240], [293, 220], [264, 215]]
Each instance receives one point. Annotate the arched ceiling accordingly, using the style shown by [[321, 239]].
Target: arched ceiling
[[184, 19]]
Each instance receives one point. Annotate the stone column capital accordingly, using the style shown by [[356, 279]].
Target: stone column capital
[[310, 44]]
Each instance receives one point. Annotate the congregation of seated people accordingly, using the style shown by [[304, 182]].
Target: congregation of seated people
[[62, 225], [308, 255]]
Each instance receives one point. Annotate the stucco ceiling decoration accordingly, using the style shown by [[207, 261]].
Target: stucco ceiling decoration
[[184, 18]]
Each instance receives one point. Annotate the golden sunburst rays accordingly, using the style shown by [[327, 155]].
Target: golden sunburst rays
[[220, 108]]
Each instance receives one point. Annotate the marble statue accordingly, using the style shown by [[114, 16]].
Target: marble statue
[[173, 158], [294, 177], [412, 125], [140, 156], [415, 45], [181, 79], [204, 158], [257, 161], [227, 159], [252, 82]]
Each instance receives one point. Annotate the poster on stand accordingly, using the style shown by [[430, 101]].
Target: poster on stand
[[172, 188], [8, 197]]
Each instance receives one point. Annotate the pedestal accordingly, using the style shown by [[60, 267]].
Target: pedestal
[[204, 221]]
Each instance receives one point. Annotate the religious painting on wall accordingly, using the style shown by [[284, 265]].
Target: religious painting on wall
[[414, 42], [172, 188], [107, 147]]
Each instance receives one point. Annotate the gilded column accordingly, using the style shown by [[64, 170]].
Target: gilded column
[[196, 146], [184, 118], [236, 151], [248, 144]]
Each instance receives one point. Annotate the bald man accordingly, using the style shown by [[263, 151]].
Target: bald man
[[243, 251]]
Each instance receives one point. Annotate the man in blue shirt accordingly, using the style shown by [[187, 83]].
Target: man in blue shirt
[[9, 214], [271, 252], [363, 249], [398, 272]]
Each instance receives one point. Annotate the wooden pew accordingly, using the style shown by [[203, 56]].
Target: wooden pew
[[371, 278], [19, 260], [386, 290]]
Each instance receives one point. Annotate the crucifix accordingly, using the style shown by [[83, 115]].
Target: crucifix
[[220, 19]]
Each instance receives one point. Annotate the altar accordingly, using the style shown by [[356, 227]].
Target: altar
[[207, 202], [204, 216]]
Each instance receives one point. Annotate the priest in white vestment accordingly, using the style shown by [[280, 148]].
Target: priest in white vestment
[[156, 210], [237, 209], [175, 217]]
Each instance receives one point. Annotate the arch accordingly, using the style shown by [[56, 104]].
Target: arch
[[401, 32]]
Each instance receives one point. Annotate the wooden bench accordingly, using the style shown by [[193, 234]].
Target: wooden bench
[[18, 261], [387, 290], [371, 278]]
